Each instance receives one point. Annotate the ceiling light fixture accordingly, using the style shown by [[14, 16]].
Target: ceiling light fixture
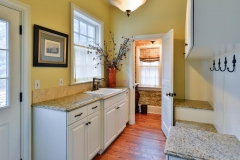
[[152, 41], [127, 5]]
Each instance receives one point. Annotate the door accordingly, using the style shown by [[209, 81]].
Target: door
[[120, 116], [109, 125], [93, 134], [167, 81], [9, 84], [189, 28], [77, 140]]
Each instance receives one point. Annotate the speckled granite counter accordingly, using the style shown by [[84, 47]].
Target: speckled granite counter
[[184, 103], [69, 103], [196, 125], [193, 144]]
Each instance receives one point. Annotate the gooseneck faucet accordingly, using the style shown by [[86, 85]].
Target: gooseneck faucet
[[95, 86]]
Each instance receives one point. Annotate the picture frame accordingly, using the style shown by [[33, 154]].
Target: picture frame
[[50, 48]]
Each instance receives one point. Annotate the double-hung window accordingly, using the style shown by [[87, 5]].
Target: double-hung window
[[86, 30], [148, 65]]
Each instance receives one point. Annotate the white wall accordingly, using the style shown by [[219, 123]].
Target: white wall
[[196, 80], [224, 94]]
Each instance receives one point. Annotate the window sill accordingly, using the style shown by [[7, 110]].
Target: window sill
[[149, 88], [77, 83]]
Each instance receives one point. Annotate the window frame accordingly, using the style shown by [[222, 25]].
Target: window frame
[[99, 36], [138, 64], [7, 77]]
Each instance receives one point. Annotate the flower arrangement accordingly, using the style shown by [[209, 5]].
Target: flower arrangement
[[112, 59]]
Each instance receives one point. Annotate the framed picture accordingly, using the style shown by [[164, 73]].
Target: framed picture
[[50, 48]]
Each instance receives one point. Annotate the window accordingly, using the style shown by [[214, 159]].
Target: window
[[148, 66], [149, 73], [86, 30], [3, 63]]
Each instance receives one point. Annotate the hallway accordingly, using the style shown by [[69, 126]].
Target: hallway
[[142, 141]]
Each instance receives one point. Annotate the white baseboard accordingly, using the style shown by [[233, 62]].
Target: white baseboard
[[153, 109]]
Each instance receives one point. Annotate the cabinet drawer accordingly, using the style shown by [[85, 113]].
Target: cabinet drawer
[[113, 100], [93, 107], [77, 114]]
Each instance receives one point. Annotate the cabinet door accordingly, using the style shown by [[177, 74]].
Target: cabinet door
[[121, 116], [189, 28], [93, 134], [109, 125], [127, 109], [77, 140]]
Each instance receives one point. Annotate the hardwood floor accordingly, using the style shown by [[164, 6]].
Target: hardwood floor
[[141, 141]]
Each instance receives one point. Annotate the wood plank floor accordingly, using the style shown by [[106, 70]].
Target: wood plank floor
[[141, 141]]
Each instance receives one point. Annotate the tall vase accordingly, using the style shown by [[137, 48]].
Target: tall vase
[[112, 77]]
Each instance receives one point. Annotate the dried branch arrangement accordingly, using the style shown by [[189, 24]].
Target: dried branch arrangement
[[112, 59]]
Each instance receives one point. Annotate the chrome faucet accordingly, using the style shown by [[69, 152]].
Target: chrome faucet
[[95, 86]]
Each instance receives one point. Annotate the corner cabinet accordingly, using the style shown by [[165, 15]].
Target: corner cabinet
[[74, 135], [212, 28]]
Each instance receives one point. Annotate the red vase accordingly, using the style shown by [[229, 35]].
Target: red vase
[[112, 77]]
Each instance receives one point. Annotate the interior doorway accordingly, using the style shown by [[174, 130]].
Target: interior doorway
[[166, 77]]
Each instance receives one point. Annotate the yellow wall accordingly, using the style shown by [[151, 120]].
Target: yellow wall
[[154, 17], [56, 15]]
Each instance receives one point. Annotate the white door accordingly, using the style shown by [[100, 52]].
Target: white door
[[9, 84], [167, 81], [93, 134], [77, 140]]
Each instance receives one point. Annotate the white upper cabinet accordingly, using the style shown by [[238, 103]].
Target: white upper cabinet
[[212, 28]]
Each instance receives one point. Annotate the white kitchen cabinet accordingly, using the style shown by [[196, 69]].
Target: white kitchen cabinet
[[212, 28], [127, 106], [94, 134], [84, 138], [115, 113], [109, 125], [121, 116], [77, 140], [71, 135]]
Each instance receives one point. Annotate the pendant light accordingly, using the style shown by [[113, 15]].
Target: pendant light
[[127, 5]]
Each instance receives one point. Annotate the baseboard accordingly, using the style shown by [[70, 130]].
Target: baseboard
[[153, 109]]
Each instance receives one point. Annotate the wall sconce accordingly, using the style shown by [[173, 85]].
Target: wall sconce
[[127, 5]]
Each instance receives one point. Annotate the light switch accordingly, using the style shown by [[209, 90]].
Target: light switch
[[60, 82], [37, 84]]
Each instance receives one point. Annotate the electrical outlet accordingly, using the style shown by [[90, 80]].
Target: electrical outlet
[[37, 84], [60, 82]]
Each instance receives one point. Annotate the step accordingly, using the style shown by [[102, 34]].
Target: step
[[196, 125], [192, 110]]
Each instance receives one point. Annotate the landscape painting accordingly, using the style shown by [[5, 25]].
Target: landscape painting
[[52, 48]]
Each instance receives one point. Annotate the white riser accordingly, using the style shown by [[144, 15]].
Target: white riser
[[196, 115]]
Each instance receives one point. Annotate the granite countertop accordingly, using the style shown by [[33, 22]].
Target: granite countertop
[[122, 89], [184, 103], [196, 125], [69, 103], [192, 144]]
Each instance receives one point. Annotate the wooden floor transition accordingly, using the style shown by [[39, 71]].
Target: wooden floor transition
[[141, 141]]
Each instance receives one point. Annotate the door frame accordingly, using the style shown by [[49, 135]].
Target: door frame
[[132, 73], [25, 84]]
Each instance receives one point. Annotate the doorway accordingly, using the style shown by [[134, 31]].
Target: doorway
[[166, 78]]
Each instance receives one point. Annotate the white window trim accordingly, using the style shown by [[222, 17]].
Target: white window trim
[[101, 39], [138, 48]]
